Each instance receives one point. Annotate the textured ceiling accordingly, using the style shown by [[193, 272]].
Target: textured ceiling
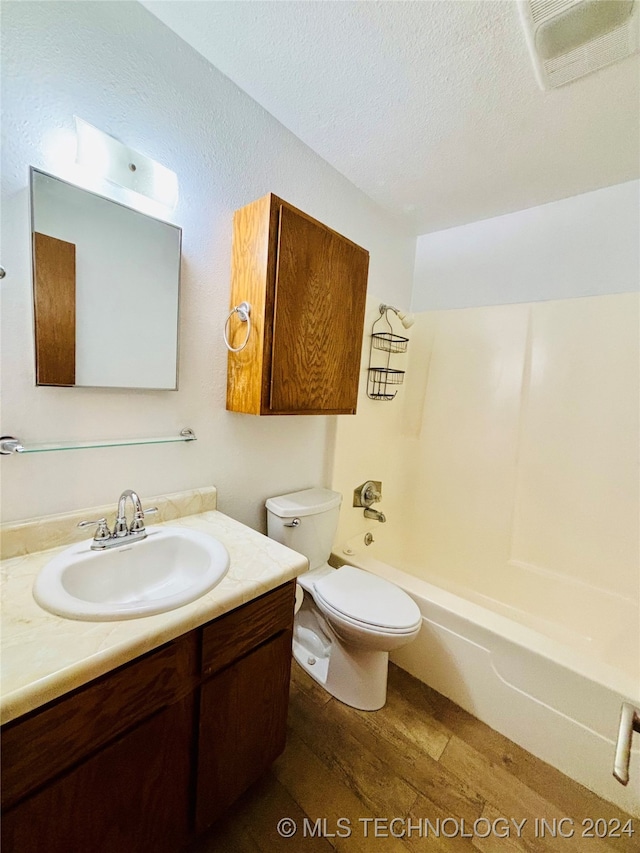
[[430, 107]]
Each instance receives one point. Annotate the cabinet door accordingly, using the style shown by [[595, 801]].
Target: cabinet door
[[45, 744], [320, 292], [131, 796], [243, 722]]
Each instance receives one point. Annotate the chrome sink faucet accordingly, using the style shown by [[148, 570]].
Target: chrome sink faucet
[[123, 534], [137, 525]]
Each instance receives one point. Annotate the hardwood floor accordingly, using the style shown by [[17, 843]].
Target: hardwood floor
[[420, 757]]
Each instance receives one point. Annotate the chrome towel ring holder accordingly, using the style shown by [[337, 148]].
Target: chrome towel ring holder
[[243, 311]]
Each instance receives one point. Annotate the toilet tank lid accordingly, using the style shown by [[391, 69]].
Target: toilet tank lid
[[305, 502]]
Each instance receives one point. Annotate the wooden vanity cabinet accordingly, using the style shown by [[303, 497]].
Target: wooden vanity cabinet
[[144, 757], [244, 701], [132, 795], [306, 285], [106, 767]]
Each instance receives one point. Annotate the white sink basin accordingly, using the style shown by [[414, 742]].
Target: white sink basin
[[169, 568]]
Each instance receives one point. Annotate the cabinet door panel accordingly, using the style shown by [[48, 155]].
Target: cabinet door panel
[[235, 634], [44, 744], [321, 282], [132, 796], [243, 723]]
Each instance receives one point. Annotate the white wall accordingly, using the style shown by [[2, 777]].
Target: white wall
[[119, 68], [586, 245], [370, 446]]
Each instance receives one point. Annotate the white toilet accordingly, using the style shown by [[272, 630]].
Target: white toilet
[[349, 620]]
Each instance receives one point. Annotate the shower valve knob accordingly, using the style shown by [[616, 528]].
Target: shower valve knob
[[368, 493]]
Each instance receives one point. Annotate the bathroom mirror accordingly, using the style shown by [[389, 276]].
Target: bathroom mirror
[[106, 284]]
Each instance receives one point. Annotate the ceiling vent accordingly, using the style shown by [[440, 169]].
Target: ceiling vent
[[570, 38]]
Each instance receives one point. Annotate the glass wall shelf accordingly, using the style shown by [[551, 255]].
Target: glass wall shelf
[[10, 445]]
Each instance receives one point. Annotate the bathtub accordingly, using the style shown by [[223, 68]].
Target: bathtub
[[545, 661]]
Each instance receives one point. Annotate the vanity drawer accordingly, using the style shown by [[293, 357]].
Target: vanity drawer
[[228, 638], [38, 747]]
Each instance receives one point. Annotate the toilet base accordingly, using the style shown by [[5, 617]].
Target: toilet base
[[357, 677]]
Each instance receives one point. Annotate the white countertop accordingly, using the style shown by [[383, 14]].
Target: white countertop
[[45, 656]]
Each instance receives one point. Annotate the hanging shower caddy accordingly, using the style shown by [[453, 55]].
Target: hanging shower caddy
[[382, 377]]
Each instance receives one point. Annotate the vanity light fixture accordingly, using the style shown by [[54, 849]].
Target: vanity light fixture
[[113, 161]]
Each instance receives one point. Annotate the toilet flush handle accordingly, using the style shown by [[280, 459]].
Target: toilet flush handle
[[293, 523]]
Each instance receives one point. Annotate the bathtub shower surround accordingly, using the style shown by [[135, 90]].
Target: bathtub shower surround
[[515, 475], [525, 450]]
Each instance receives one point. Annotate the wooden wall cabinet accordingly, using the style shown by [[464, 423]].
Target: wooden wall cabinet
[[307, 288], [148, 755]]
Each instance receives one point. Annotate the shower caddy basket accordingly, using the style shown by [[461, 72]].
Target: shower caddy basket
[[380, 378]]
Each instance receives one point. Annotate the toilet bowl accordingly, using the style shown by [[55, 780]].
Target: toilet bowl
[[348, 620]]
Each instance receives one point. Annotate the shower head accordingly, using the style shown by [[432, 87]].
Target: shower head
[[405, 318]]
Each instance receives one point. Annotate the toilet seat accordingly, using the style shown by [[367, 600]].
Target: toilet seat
[[338, 619], [365, 600]]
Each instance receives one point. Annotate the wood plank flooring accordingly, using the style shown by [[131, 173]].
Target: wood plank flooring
[[420, 757]]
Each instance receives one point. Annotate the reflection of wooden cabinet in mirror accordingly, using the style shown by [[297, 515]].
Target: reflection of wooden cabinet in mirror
[[54, 304], [307, 288]]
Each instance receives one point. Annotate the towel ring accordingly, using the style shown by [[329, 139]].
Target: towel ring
[[243, 311]]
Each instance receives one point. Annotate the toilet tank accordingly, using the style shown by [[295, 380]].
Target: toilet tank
[[317, 513]]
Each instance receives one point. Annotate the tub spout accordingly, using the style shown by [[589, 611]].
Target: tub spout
[[373, 513]]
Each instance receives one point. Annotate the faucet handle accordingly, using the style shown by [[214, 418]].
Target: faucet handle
[[102, 531], [138, 520], [371, 494], [368, 493]]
